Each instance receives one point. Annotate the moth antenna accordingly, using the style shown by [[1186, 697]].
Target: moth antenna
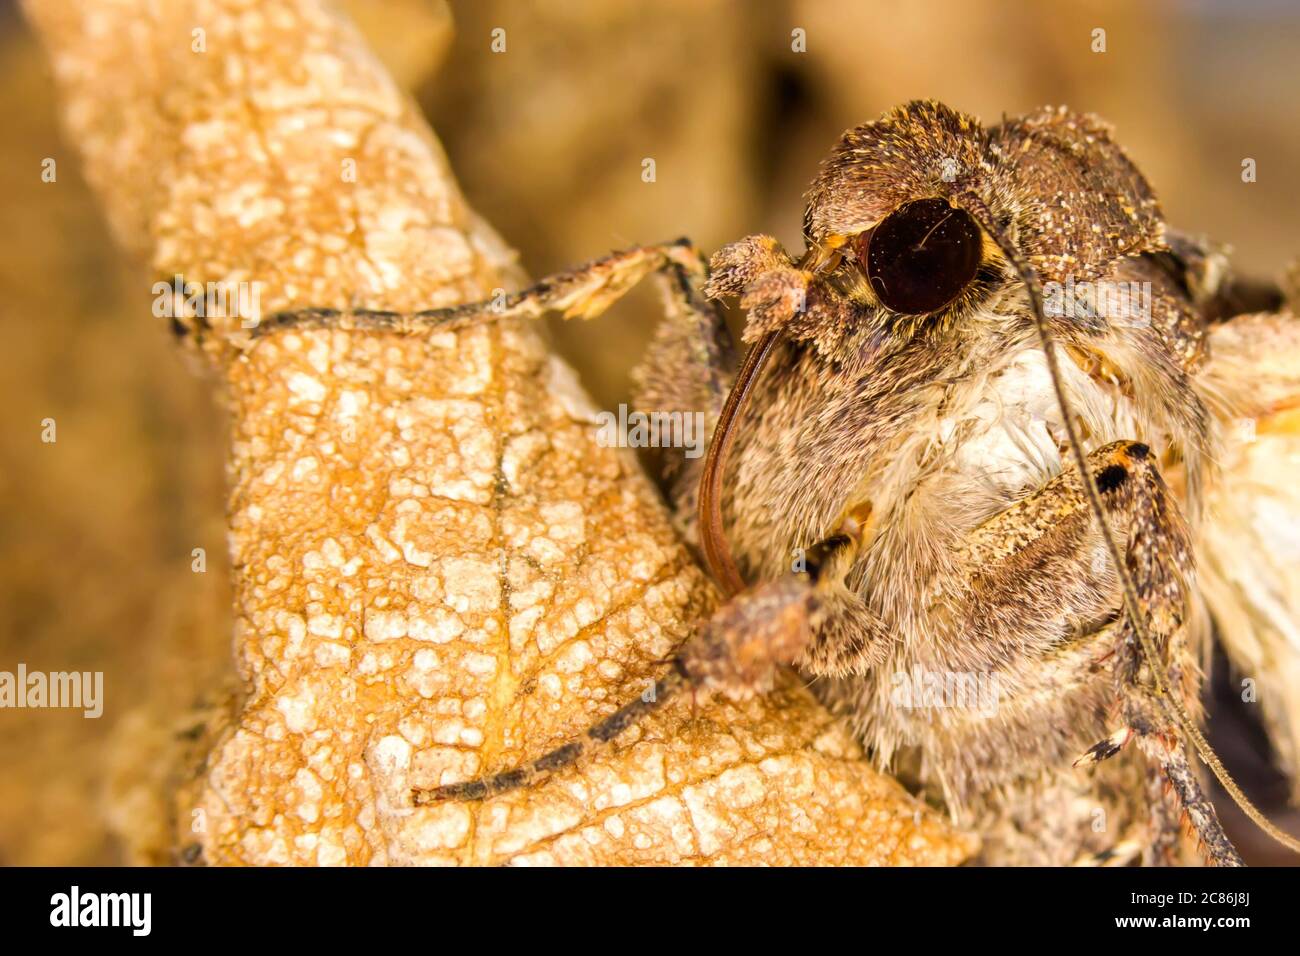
[[1132, 606], [713, 538], [566, 755]]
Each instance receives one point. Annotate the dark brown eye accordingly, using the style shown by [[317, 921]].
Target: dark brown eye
[[921, 256]]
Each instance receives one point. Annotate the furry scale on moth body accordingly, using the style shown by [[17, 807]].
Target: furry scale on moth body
[[976, 482]]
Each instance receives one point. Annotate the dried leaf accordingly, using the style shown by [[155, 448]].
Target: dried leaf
[[437, 570]]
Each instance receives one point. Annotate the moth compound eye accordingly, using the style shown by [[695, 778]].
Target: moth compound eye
[[921, 256]]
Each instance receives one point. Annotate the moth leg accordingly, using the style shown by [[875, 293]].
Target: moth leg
[[584, 292], [1159, 561], [687, 369], [736, 652], [1164, 819], [1182, 789]]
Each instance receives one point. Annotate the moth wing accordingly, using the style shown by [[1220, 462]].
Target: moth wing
[[1249, 549]]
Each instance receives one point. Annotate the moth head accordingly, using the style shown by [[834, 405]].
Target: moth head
[[912, 214], [883, 222], [924, 213]]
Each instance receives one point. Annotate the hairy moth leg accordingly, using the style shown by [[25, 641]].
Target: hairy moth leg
[[688, 369], [1164, 818], [1181, 799], [1043, 538], [1159, 560], [584, 292], [736, 652]]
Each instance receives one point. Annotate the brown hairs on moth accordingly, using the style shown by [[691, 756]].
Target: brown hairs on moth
[[722, 565]]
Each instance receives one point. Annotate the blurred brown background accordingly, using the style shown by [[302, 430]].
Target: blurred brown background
[[549, 138]]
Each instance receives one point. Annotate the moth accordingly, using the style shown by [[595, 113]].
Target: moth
[[998, 427]]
